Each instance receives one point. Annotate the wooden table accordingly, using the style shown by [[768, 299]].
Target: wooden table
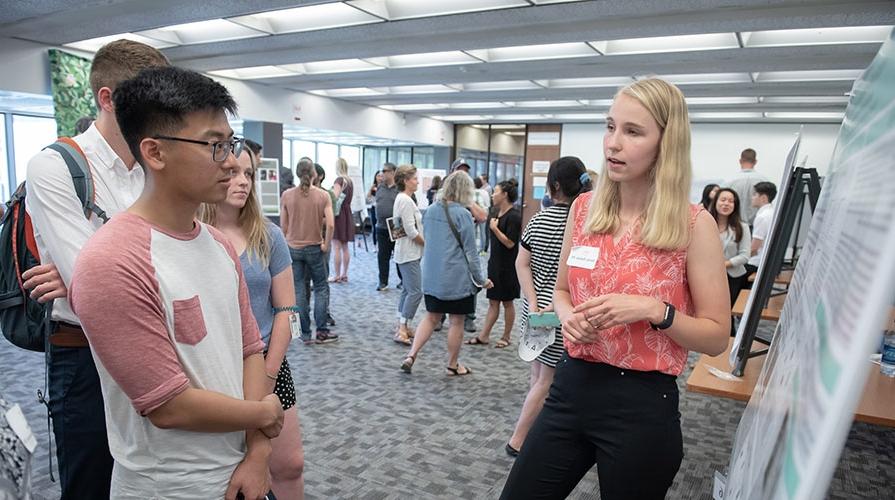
[[877, 404], [784, 278], [771, 312]]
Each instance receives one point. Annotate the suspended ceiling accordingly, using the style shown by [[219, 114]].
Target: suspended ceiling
[[502, 60]]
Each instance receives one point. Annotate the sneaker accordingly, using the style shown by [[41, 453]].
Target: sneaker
[[469, 325], [439, 325], [326, 337], [307, 340], [381, 287]]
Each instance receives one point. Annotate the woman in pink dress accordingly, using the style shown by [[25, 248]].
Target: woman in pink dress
[[641, 282]]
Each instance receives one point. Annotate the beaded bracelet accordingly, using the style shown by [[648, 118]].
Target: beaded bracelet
[[293, 309]]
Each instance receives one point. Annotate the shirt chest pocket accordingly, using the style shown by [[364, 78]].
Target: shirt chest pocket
[[189, 325]]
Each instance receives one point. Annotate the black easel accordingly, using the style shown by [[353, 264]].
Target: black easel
[[804, 182]]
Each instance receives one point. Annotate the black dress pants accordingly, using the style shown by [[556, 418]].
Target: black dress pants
[[385, 248], [624, 421]]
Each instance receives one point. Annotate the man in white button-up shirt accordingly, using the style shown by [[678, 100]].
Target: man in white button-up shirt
[[61, 229]]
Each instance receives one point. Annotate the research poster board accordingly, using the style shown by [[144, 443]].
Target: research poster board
[[425, 176], [792, 432], [267, 184]]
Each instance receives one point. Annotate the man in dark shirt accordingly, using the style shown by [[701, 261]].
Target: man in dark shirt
[[385, 204]]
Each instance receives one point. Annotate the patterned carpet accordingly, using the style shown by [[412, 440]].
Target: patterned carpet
[[371, 432]]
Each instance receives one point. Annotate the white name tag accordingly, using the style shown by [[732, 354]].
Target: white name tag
[[584, 257], [16, 420], [294, 326]]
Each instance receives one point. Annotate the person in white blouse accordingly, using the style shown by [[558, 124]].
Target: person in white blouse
[[735, 239], [408, 251]]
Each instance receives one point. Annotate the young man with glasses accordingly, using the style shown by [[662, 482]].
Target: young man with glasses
[[181, 351], [61, 230]]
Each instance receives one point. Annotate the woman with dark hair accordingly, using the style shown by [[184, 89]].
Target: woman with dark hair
[[506, 227], [371, 200], [708, 195], [436, 185], [536, 267], [735, 240]]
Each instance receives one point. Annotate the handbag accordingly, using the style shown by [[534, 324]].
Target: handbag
[[456, 233]]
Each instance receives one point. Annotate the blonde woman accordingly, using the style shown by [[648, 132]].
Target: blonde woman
[[267, 266], [640, 283], [343, 189], [452, 272]]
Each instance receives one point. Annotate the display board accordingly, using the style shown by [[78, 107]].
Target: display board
[[267, 184], [792, 432], [425, 176]]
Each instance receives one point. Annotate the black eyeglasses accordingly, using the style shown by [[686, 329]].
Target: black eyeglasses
[[219, 149]]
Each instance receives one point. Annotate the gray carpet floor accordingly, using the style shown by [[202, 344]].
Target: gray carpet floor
[[372, 432]]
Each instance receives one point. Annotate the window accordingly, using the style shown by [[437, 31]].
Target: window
[[399, 156], [327, 154], [424, 157], [373, 159], [5, 188], [287, 155], [303, 148], [30, 134], [351, 154]]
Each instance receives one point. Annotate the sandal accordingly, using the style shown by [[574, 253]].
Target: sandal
[[476, 341], [501, 344], [459, 371], [402, 339], [513, 452], [407, 365]]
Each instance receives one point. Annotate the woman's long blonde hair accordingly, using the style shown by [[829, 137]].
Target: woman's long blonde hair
[[251, 220], [666, 220]]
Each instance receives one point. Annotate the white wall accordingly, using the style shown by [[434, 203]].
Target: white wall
[[272, 104], [26, 67], [716, 147]]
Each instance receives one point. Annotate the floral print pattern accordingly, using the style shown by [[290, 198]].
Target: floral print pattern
[[628, 267]]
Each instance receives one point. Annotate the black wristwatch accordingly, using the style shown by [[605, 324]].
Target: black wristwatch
[[667, 320]]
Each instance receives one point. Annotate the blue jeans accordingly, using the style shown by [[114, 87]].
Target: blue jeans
[[79, 424], [412, 292], [309, 261]]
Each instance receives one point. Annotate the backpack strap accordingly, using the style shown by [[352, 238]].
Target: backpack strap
[[81, 175]]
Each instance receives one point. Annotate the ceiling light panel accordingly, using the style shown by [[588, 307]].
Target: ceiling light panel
[[463, 118], [334, 66], [576, 83], [706, 78], [94, 44], [807, 115], [308, 18], [478, 105], [601, 103], [707, 101], [413, 107], [508, 85], [426, 59], [253, 72], [420, 89], [738, 115], [817, 36], [580, 116], [522, 117], [534, 52], [393, 10], [834, 99], [349, 92], [809, 76], [547, 104], [212, 30], [680, 43]]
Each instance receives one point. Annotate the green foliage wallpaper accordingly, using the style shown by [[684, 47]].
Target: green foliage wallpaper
[[72, 97]]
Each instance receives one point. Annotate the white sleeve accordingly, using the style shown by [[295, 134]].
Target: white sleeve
[[761, 226], [56, 212]]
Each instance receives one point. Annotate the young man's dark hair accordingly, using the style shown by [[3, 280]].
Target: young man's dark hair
[[768, 189], [748, 155], [155, 102], [254, 147]]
